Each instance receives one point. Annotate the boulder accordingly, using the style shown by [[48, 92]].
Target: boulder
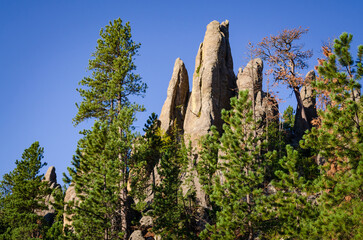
[[146, 222], [137, 235], [175, 105]]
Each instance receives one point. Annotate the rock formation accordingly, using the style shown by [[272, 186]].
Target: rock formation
[[137, 235], [51, 178], [174, 108], [250, 78], [214, 83], [309, 100], [69, 196]]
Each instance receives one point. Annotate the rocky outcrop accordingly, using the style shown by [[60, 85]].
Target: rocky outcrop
[[266, 107], [146, 222], [175, 105], [51, 178], [309, 100], [69, 196], [214, 83], [251, 77], [144, 230]]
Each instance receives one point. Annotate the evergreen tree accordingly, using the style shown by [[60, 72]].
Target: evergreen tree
[[106, 96], [288, 197], [113, 79], [56, 232], [22, 195], [146, 155], [238, 190], [207, 167], [288, 118], [99, 179], [338, 141], [171, 210]]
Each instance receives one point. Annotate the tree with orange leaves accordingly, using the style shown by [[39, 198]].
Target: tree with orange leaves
[[339, 142], [286, 59]]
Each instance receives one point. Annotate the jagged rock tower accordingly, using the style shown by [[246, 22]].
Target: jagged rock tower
[[50, 177], [175, 105], [250, 78], [309, 100], [214, 82]]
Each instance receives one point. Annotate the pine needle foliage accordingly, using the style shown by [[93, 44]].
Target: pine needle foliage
[[171, 210], [339, 142], [238, 187], [113, 80], [100, 179], [22, 196]]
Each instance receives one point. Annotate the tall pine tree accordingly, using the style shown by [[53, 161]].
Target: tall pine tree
[[339, 143], [99, 180], [171, 210], [22, 195], [106, 96], [238, 188]]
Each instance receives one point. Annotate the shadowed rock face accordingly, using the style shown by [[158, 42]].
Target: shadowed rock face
[[51, 178], [50, 175], [214, 82], [175, 105], [250, 78], [309, 100]]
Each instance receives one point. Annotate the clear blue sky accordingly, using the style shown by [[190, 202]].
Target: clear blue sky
[[45, 47]]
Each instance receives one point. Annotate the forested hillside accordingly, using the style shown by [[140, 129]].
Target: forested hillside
[[221, 162]]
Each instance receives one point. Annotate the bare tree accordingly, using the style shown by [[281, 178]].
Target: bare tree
[[286, 59]]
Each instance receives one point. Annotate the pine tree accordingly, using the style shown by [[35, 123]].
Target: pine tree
[[100, 180], [290, 197], [22, 195], [171, 210], [238, 191], [113, 79], [106, 96], [207, 167], [338, 141], [146, 155], [55, 232]]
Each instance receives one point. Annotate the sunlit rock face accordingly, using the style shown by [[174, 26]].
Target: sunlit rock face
[[175, 105], [214, 83]]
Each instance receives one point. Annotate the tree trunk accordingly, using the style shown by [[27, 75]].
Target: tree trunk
[[124, 203]]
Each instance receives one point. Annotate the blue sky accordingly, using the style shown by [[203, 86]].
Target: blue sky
[[45, 47]]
